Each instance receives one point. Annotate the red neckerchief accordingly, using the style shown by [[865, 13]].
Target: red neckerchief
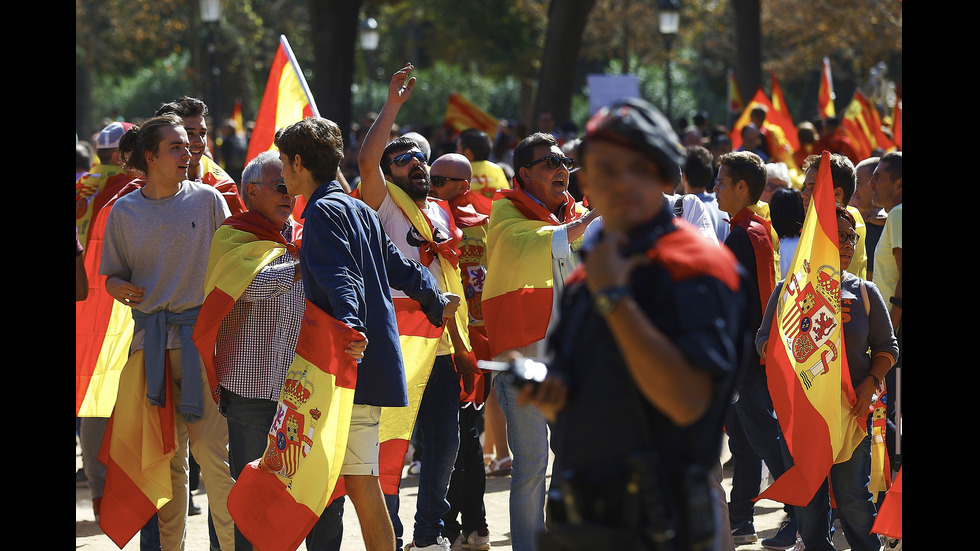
[[533, 210], [259, 226], [470, 209], [448, 249]]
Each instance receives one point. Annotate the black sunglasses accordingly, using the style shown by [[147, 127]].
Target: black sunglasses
[[406, 158], [554, 161], [280, 188], [439, 181]]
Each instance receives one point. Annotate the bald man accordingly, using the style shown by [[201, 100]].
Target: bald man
[[466, 521]]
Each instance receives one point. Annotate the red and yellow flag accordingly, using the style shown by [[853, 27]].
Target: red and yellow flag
[[897, 117], [825, 94], [889, 519], [280, 496], [419, 341], [236, 115], [461, 114], [103, 329], [136, 451], [734, 97], [862, 124], [519, 289], [241, 247], [805, 360], [287, 99], [781, 117]]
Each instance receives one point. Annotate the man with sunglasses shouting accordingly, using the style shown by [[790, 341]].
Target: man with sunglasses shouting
[[395, 182], [533, 231]]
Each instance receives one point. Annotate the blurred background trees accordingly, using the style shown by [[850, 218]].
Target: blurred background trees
[[510, 57]]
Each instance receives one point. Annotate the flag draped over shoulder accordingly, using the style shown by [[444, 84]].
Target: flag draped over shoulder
[[889, 519], [103, 329], [461, 114], [419, 341], [825, 93], [519, 290], [805, 360], [242, 246], [280, 496]]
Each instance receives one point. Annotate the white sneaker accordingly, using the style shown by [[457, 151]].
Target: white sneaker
[[475, 541], [441, 544]]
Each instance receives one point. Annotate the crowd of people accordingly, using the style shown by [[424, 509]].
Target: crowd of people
[[641, 266]]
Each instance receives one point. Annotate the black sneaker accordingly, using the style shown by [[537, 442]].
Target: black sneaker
[[785, 537], [744, 532]]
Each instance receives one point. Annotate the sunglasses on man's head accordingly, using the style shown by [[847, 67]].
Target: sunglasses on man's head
[[554, 161], [406, 158], [439, 181]]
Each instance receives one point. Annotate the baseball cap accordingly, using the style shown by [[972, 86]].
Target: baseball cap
[[109, 137], [636, 124]]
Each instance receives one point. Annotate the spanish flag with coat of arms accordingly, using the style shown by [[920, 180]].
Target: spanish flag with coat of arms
[[805, 360]]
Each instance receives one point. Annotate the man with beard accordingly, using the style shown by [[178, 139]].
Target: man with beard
[[395, 182]]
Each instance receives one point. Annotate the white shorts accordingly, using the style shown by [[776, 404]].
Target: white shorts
[[362, 442]]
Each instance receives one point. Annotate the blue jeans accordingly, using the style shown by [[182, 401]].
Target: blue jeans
[[249, 420], [438, 430], [753, 435], [527, 435], [855, 509]]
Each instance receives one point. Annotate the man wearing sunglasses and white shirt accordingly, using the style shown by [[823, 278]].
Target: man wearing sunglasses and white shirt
[[395, 182], [533, 231]]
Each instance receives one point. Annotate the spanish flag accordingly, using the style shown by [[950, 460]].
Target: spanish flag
[[897, 117], [805, 360], [419, 341], [287, 99], [889, 519], [216, 177], [461, 114], [825, 94], [280, 496], [136, 451], [519, 290], [734, 97], [92, 191], [862, 124], [241, 247], [778, 129], [103, 329], [780, 115]]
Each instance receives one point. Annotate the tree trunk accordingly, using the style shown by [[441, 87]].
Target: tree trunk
[[748, 47], [556, 79], [334, 24]]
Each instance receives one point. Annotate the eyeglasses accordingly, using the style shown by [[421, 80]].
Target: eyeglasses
[[439, 181], [280, 188], [844, 237], [554, 161], [406, 158]]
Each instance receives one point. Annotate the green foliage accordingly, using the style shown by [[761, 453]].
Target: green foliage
[[427, 107], [137, 96]]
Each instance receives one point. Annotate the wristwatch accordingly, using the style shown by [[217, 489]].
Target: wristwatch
[[605, 300]]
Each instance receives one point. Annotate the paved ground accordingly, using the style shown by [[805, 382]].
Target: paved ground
[[89, 537]]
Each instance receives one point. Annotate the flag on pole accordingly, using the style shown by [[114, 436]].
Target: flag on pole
[[780, 115], [280, 496], [287, 99], [734, 97], [236, 115], [461, 114], [825, 94], [805, 360]]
